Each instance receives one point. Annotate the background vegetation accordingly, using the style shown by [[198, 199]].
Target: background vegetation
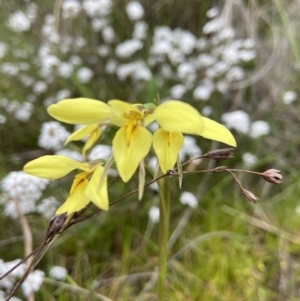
[[224, 249]]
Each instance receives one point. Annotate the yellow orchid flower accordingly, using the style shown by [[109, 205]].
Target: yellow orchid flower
[[133, 141], [85, 187], [176, 118]]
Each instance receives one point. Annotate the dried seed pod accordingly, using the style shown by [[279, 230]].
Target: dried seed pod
[[220, 154], [250, 196], [272, 176]]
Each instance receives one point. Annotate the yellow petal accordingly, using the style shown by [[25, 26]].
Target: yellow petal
[[76, 199], [80, 111], [130, 146], [119, 110], [216, 131], [94, 136], [98, 195], [177, 116], [82, 132], [53, 167], [167, 146]]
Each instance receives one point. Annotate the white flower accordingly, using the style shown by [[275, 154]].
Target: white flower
[[205, 60], [75, 60], [201, 44], [128, 48], [2, 119], [84, 74], [212, 12], [58, 272], [249, 159], [185, 40], [70, 154], [289, 97], [214, 25], [226, 33], [247, 55], [206, 111], [33, 282], [235, 74], [177, 91], [98, 24], [62, 94], [100, 151], [139, 30], [137, 70], [189, 148], [188, 198], [154, 214], [186, 71], [94, 8], [10, 69], [70, 8], [202, 92], [23, 111], [52, 136], [134, 10], [18, 22], [152, 163], [47, 207], [103, 50], [238, 120], [39, 87], [259, 128], [222, 86], [111, 66], [108, 34]]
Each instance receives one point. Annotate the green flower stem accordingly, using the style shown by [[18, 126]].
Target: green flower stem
[[164, 219]]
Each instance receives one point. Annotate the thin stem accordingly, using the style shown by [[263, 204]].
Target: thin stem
[[164, 206]]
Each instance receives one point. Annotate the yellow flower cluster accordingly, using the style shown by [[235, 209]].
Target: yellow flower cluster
[[131, 144]]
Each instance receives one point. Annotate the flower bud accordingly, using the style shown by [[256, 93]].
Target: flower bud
[[220, 154], [272, 176], [250, 196]]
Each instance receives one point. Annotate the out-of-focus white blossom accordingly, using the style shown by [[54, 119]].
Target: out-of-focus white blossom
[[186, 71], [62, 94], [39, 87], [140, 30], [205, 60], [2, 119], [9, 69], [70, 8], [189, 149], [212, 12], [288, 97], [247, 55], [134, 10], [111, 66], [249, 159], [189, 199], [108, 34], [128, 48], [100, 151], [70, 154], [213, 26], [8, 281], [152, 163], [259, 128], [47, 207], [154, 214], [18, 22], [99, 24], [33, 282], [238, 120], [75, 60], [58, 272], [222, 86], [206, 111], [52, 135], [177, 91], [84, 74], [136, 70], [235, 74], [202, 92], [97, 8], [103, 50], [23, 111]]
